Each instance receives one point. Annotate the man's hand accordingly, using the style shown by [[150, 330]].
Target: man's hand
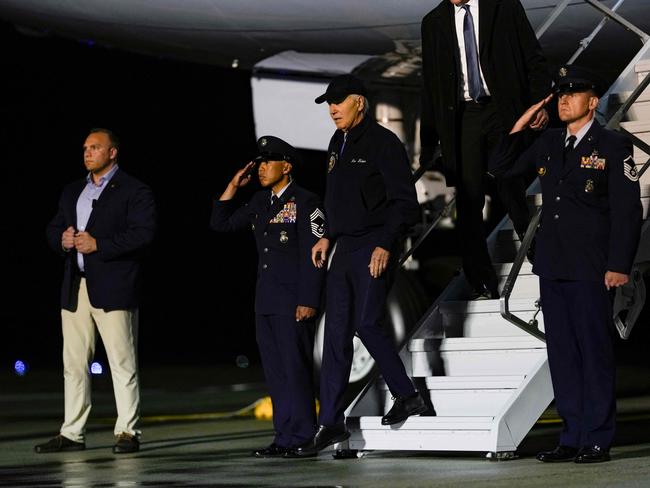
[[85, 243], [243, 176], [378, 262], [319, 252], [614, 279], [532, 116], [304, 313], [540, 120], [67, 239]]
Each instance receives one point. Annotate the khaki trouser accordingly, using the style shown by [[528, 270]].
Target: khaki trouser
[[119, 332]]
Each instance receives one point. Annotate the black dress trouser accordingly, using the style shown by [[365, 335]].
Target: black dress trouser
[[480, 130]]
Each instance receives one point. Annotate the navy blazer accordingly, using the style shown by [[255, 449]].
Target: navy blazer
[[123, 222], [591, 217], [285, 234]]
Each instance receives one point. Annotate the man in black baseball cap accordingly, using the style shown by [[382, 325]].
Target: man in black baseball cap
[[342, 86]]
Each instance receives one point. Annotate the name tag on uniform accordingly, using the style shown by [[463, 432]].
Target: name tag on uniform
[[593, 162], [287, 215], [358, 161]]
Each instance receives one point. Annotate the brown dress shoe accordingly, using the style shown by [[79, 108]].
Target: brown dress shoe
[[126, 443], [59, 444]]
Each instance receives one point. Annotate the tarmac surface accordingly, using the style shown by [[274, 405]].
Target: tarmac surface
[[195, 435]]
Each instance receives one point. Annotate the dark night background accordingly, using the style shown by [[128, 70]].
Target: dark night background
[[185, 129]]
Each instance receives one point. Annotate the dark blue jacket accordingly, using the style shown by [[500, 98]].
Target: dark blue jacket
[[370, 197], [285, 234], [123, 222], [591, 216]]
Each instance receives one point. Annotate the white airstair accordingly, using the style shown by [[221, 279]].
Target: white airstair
[[488, 379]]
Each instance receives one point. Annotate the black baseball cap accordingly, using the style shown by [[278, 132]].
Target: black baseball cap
[[572, 79], [271, 148], [340, 87]]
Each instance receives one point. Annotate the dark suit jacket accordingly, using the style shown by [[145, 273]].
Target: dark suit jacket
[[591, 217], [512, 62], [285, 234], [123, 222]]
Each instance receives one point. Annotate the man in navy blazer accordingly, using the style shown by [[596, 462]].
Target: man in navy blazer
[[286, 220], [102, 225]]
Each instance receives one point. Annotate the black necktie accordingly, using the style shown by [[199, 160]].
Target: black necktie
[[570, 144], [274, 200], [474, 85]]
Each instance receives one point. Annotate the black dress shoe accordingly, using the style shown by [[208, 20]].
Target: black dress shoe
[[484, 293], [303, 450], [126, 443], [272, 450], [560, 454], [326, 436], [59, 444], [592, 454], [403, 408]]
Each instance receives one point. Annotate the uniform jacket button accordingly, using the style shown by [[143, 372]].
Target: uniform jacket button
[[557, 199], [266, 249], [556, 216], [264, 266]]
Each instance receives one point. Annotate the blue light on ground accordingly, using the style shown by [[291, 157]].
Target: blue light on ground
[[20, 368]]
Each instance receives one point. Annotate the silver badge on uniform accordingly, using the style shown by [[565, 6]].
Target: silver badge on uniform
[[589, 186], [284, 238], [331, 162]]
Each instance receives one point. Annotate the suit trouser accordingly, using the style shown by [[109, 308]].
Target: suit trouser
[[480, 131], [578, 324], [355, 303], [119, 332], [287, 351]]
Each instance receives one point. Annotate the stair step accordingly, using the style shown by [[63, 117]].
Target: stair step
[[486, 306], [465, 395], [486, 324], [430, 423], [473, 344], [476, 382], [471, 356]]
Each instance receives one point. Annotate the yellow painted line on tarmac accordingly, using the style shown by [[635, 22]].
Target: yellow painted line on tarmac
[[247, 411]]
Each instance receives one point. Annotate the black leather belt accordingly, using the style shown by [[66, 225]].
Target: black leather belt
[[479, 101]]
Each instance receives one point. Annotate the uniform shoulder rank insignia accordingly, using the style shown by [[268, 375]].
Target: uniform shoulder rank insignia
[[284, 238], [541, 171], [317, 221], [629, 169], [263, 142], [589, 186], [287, 215], [331, 162]]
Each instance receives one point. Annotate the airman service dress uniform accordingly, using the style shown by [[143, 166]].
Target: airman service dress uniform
[[285, 231], [590, 225]]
